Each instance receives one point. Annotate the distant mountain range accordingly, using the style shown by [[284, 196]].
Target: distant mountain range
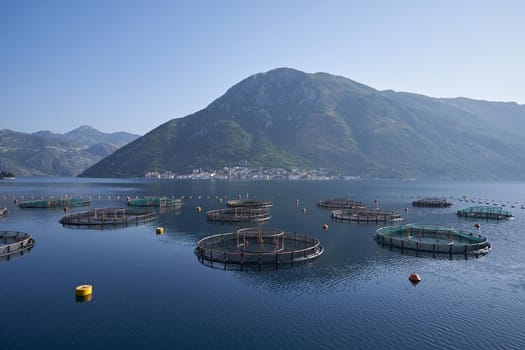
[[46, 153], [288, 118]]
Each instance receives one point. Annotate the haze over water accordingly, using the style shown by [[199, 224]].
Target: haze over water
[[150, 291]]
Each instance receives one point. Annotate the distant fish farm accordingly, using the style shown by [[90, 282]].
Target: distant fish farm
[[338, 203], [238, 215], [434, 239], [485, 212], [365, 215], [432, 202], [154, 202], [109, 218], [55, 203], [236, 203], [257, 246]]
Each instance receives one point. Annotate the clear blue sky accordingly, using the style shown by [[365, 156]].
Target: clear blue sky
[[125, 65]]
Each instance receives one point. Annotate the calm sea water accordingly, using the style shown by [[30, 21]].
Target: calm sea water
[[150, 291]]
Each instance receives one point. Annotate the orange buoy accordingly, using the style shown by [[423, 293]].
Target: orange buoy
[[325, 227], [476, 225], [414, 278]]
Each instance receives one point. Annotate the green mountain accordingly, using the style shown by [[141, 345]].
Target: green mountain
[[46, 153], [288, 118]]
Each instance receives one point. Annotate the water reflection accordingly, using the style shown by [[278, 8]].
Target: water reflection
[[15, 255]]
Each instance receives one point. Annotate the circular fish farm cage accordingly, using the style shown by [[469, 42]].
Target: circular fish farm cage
[[434, 239], [55, 203], [257, 246], [339, 203], [237, 203], [238, 215], [101, 218], [485, 212], [432, 202], [13, 242], [365, 215], [155, 202]]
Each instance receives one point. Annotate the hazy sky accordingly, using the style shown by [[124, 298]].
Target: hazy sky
[[133, 65]]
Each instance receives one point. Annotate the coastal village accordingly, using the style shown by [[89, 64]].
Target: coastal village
[[251, 174]]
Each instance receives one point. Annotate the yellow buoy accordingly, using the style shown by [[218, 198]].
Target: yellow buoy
[[83, 290], [159, 230], [414, 278], [199, 209]]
